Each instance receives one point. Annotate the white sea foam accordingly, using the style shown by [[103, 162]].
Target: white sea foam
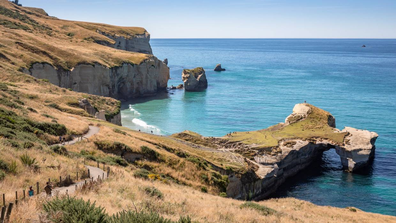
[[136, 113], [143, 126]]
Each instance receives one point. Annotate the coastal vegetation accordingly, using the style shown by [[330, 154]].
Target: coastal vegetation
[[174, 179]]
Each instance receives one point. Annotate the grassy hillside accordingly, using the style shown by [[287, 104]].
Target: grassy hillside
[[176, 176], [28, 35]]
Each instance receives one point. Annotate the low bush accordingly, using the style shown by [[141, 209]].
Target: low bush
[[150, 153], [2, 175], [27, 160], [119, 131], [13, 167], [3, 165], [153, 192], [223, 194], [141, 173], [28, 145], [143, 217], [31, 109], [61, 150], [70, 210], [111, 146], [260, 208], [204, 189]]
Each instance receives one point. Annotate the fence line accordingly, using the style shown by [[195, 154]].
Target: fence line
[[6, 210]]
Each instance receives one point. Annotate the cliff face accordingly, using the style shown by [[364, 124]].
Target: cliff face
[[122, 82], [270, 156], [138, 43]]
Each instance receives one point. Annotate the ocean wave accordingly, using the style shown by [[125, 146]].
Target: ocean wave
[[135, 112], [143, 126]]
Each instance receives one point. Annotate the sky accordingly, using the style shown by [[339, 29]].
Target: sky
[[236, 18]]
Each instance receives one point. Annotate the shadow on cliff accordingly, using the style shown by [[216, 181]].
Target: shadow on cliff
[[326, 167], [160, 96]]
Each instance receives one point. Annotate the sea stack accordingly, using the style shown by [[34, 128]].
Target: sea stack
[[219, 68], [194, 79]]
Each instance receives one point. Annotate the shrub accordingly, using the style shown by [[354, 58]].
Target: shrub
[[31, 109], [27, 160], [262, 209], [70, 210], [61, 150], [14, 144], [119, 131], [220, 181], [3, 166], [223, 194], [201, 164], [150, 153], [110, 146], [143, 217], [141, 173], [32, 96], [2, 175], [115, 160], [204, 189], [13, 167], [153, 192], [28, 145], [3, 87]]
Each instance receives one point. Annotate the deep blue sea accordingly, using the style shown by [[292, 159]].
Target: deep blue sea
[[265, 78]]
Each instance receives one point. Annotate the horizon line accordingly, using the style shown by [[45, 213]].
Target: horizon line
[[269, 38]]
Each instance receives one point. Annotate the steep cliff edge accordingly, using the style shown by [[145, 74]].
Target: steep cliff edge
[[274, 154], [93, 58]]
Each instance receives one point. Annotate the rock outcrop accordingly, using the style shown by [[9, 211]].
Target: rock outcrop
[[219, 68], [138, 43], [301, 111], [166, 61], [122, 82], [194, 79], [268, 171], [270, 156], [84, 104]]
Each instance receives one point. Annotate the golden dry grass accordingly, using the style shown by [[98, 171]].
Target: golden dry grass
[[59, 42], [124, 192]]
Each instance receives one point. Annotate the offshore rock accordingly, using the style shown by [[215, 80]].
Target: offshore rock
[[194, 79], [219, 68]]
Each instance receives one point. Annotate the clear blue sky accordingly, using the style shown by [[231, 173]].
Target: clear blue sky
[[236, 18]]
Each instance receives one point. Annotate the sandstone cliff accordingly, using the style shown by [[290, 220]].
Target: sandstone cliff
[[137, 43], [86, 57], [121, 82], [194, 79]]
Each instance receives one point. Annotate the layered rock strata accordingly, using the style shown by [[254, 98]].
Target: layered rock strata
[[194, 79], [121, 82], [139, 43], [269, 171]]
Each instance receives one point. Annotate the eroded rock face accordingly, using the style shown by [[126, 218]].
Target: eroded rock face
[[84, 104], [358, 148], [268, 171], [137, 43], [195, 79], [123, 82]]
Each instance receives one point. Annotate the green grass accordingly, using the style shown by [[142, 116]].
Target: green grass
[[22, 130], [260, 208], [314, 126]]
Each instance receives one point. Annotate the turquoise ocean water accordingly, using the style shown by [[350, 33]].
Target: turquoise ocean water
[[265, 78]]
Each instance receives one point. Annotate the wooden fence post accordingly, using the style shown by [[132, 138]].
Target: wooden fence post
[[89, 174], [97, 163], [38, 188], [9, 210], [3, 212], [16, 197], [108, 172], [4, 200], [24, 194]]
